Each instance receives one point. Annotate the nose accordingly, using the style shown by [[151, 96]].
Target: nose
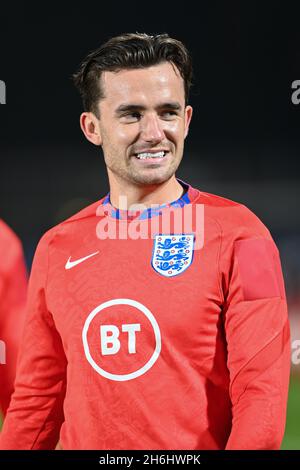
[[151, 129]]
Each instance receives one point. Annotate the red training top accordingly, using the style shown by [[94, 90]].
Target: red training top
[[141, 335]]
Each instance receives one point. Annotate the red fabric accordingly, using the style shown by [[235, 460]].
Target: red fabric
[[13, 286], [259, 272], [220, 378]]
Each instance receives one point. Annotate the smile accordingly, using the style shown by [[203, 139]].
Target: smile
[[151, 155]]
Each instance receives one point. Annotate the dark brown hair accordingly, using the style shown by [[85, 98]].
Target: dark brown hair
[[129, 51]]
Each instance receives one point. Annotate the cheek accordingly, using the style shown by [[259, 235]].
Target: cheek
[[174, 129], [123, 139], [118, 135]]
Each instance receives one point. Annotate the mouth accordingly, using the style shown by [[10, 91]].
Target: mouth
[[152, 157]]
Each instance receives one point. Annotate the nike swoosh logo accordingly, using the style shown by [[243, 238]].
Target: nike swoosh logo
[[70, 264]]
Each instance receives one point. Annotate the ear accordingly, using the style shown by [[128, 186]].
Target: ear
[[89, 124], [187, 118]]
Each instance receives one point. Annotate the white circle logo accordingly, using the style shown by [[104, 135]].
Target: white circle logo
[[156, 330]]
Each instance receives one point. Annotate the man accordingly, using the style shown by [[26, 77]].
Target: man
[[13, 286], [151, 338]]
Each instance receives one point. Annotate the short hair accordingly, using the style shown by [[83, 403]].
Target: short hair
[[129, 51]]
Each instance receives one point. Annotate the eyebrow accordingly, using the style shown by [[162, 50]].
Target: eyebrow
[[174, 105]]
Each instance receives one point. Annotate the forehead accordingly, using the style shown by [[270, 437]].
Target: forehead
[[161, 81]]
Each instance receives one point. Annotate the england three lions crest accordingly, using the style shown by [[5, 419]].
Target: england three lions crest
[[172, 254]]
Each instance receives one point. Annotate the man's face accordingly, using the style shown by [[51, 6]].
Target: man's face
[[143, 113]]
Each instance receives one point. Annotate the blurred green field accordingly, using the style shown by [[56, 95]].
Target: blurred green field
[[291, 439]]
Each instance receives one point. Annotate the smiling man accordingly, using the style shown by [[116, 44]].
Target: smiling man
[[141, 122], [156, 341]]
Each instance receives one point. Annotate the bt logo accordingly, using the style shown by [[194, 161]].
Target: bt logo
[[109, 335], [121, 339]]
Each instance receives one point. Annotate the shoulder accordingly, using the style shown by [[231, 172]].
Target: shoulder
[[68, 226], [7, 235], [232, 217], [10, 246]]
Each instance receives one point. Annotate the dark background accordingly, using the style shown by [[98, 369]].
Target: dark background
[[244, 141]]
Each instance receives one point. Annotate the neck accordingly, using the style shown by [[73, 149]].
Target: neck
[[123, 195]]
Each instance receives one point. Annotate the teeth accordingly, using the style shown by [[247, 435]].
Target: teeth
[[143, 156]]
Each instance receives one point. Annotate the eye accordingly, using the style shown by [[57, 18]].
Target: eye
[[131, 116], [169, 114]]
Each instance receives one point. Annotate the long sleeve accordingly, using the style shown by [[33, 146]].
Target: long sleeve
[[35, 414], [257, 333], [13, 289]]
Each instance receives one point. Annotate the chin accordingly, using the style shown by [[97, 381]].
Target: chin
[[151, 179]]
